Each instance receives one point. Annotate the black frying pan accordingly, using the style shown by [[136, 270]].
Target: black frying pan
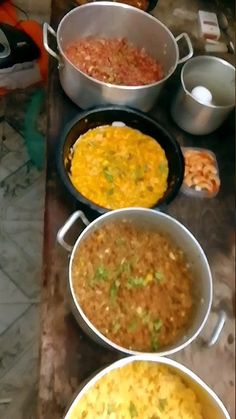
[[135, 119]]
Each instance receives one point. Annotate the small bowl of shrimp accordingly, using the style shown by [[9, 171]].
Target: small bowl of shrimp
[[201, 176]]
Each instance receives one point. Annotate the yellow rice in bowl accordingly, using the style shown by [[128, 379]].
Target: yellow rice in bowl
[[139, 390], [119, 167]]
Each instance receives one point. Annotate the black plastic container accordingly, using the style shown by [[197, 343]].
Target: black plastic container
[[135, 119]]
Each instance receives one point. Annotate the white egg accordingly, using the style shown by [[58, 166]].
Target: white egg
[[202, 94]]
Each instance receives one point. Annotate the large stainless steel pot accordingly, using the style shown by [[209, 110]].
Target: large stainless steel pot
[[202, 287], [213, 407], [113, 20]]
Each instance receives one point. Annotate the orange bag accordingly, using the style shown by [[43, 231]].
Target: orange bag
[[33, 29]]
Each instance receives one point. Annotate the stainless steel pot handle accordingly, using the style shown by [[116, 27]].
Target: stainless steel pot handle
[[190, 47], [217, 329], [47, 28], [68, 224]]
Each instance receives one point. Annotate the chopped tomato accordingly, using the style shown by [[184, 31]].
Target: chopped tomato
[[114, 61]]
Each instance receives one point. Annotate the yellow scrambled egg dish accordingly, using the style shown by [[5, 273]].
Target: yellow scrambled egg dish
[[118, 167], [139, 390]]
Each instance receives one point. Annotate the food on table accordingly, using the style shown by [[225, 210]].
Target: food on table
[[201, 172], [134, 285], [118, 166], [114, 61], [139, 390], [140, 4]]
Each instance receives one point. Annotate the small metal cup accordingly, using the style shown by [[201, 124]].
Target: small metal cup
[[218, 76]]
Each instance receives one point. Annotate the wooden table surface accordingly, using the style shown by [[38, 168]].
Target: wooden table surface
[[67, 356]]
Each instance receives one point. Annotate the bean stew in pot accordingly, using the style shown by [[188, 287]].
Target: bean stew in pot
[[134, 285]]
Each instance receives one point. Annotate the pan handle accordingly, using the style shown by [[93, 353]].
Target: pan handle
[[217, 329], [66, 227], [189, 44], [47, 28]]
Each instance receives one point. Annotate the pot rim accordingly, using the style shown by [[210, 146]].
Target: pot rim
[[102, 337], [199, 58], [118, 5], [148, 358]]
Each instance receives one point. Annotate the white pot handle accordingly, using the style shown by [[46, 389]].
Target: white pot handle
[[190, 47], [66, 227], [47, 28]]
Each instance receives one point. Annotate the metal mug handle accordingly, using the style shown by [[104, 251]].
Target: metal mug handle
[[47, 28], [66, 227], [190, 47]]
